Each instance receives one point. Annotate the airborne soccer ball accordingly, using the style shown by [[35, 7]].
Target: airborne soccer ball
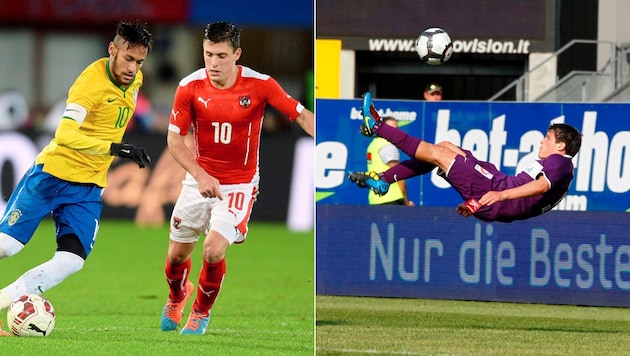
[[31, 315], [434, 46]]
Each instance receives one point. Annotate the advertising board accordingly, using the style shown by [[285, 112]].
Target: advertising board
[[561, 257], [505, 134]]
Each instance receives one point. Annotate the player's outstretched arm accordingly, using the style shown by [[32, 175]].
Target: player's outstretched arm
[[533, 188], [306, 120]]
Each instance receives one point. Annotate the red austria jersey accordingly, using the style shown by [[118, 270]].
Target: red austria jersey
[[227, 122]]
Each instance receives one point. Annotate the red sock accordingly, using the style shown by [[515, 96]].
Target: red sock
[[176, 277], [210, 280]]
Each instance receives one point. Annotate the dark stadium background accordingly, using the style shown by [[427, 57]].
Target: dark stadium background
[[277, 39]]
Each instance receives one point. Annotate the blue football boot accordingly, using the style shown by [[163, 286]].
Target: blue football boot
[[197, 323], [370, 116], [369, 180]]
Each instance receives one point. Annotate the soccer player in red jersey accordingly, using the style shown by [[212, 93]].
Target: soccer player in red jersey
[[224, 103]]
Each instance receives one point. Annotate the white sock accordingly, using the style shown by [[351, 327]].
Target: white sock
[[42, 278], [9, 246]]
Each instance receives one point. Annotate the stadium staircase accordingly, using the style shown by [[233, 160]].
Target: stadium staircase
[[610, 83]]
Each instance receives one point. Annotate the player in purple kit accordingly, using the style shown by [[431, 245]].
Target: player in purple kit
[[489, 194]]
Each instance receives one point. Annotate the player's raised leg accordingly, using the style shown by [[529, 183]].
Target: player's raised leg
[[371, 126], [440, 155], [379, 182], [369, 180], [370, 116]]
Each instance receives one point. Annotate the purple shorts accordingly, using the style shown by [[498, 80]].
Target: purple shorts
[[472, 179]]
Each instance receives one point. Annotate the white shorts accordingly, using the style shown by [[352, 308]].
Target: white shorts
[[194, 215]]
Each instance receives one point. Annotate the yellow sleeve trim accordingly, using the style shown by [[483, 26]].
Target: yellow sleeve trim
[[69, 136]]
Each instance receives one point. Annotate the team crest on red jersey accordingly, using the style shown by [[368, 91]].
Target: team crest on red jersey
[[245, 101]]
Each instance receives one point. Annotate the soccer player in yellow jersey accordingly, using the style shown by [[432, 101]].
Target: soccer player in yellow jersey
[[69, 174]]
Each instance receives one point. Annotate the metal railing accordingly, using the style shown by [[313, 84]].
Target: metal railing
[[581, 86]]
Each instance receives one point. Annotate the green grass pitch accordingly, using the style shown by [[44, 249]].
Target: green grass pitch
[[113, 305], [389, 326]]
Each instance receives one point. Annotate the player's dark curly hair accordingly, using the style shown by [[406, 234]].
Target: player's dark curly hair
[[568, 134], [218, 32], [135, 34]]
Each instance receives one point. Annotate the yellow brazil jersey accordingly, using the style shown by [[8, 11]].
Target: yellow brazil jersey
[[97, 113]]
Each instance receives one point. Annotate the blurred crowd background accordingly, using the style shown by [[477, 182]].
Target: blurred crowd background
[[45, 45]]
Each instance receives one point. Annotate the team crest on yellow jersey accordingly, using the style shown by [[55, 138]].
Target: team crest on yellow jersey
[[135, 95], [14, 217]]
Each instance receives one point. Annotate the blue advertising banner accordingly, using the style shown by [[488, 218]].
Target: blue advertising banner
[[505, 134], [561, 257]]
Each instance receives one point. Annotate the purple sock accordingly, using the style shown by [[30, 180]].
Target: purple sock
[[399, 138], [406, 169]]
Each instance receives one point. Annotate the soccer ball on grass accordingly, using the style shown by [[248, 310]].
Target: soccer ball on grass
[[434, 46], [31, 315]]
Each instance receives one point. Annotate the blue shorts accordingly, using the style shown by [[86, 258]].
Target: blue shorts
[[75, 207]]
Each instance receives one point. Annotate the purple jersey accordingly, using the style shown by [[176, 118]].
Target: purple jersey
[[473, 178]]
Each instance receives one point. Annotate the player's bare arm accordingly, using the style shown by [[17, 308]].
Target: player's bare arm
[[535, 187], [307, 122], [208, 185]]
